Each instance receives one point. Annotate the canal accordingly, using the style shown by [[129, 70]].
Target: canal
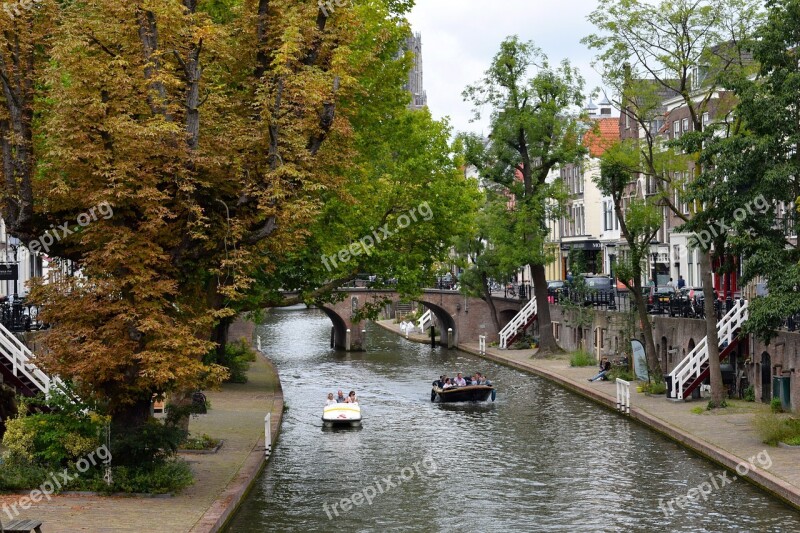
[[538, 459]]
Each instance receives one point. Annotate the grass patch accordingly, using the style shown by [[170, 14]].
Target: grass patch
[[582, 358], [774, 428], [698, 410]]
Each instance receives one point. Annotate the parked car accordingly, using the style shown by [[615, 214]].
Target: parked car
[[659, 298], [556, 290], [600, 290]]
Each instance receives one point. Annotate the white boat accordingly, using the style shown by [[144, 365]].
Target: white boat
[[342, 414]]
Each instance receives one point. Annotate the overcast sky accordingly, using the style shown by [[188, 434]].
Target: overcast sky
[[460, 37]]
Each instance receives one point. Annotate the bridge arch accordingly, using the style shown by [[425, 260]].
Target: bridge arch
[[445, 320], [339, 328]]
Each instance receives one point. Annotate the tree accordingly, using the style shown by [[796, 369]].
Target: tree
[[685, 47], [752, 183], [493, 251], [533, 132], [639, 221], [214, 131]]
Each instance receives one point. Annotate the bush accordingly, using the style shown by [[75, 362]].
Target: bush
[[582, 358], [621, 373], [151, 443], [52, 439], [656, 388], [750, 394], [203, 442], [165, 478], [237, 359], [776, 406]]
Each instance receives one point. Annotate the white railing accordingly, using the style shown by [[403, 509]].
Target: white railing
[[22, 362], [623, 396], [482, 344], [692, 365], [425, 321], [519, 321]]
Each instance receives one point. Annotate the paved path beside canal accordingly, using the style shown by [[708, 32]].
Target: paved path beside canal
[[726, 436], [236, 416]]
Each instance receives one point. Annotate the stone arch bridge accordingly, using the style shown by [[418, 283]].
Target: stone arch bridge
[[468, 317]]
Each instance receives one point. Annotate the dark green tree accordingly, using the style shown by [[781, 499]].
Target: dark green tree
[[533, 132]]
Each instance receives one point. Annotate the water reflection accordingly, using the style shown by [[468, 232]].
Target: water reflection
[[537, 459]]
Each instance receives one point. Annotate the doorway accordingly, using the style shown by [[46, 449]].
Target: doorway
[[766, 378]]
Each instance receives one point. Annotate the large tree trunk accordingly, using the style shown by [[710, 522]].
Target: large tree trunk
[[712, 340], [653, 368], [547, 341]]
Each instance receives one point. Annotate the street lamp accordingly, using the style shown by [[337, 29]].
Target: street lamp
[[654, 252]]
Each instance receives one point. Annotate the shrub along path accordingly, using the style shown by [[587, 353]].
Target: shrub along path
[[725, 436], [236, 416]]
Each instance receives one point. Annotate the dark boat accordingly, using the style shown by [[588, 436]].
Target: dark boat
[[470, 393]]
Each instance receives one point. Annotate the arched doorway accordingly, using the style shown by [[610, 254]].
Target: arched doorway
[[766, 377]]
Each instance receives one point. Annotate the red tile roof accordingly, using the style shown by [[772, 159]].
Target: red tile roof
[[600, 139]]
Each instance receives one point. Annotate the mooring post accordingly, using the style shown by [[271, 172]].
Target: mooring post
[[258, 342], [333, 337], [267, 435], [347, 340], [433, 336], [449, 337]]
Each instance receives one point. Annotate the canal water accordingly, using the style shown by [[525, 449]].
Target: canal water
[[537, 459]]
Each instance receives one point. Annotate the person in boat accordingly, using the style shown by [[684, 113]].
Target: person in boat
[[460, 381], [351, 398], [330, 400], [605, 366], [340, 398], [485, 380], [477, 379], [447, 384], [440, 382]]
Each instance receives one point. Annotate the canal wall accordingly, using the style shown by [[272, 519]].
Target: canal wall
[[608, 333]]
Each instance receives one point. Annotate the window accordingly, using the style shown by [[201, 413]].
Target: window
[[706, 118], [616, 220], [676, 129], [690, 260], [685, 125]]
